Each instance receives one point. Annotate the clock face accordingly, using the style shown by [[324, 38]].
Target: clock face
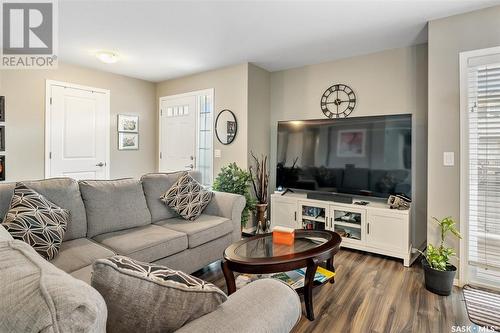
[[338, 101]]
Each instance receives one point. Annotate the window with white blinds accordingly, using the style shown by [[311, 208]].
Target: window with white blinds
[[483, 98]]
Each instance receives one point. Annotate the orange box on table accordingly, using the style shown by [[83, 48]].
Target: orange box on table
[[283, 235]]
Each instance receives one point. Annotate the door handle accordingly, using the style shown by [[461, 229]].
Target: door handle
[[100, 164]]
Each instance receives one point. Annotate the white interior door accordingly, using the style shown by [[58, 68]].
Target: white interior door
[[77, 132], [178, 133]]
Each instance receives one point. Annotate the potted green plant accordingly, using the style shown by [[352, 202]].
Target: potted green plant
[[260, 182], [233, 179], [438, 271]]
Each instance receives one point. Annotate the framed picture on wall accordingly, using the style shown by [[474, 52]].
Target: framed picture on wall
[[2, 138], [2, 168], [2, 108], [351, 143], [128, 141], [129, 124]]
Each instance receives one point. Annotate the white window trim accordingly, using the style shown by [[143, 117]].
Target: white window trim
[[48, 95], [210, 92], [464, 157]]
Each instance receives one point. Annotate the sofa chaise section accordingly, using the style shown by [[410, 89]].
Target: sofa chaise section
[[265, 305]]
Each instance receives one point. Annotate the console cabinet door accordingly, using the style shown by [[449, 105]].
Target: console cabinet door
[[387, 231], [349, 223], [284, 213]]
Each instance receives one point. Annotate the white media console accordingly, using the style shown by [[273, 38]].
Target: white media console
[[373, 228]]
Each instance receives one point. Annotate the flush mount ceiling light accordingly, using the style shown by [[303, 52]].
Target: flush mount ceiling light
[[107, 57]]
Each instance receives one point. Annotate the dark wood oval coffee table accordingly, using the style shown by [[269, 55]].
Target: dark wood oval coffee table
[[259, 255]]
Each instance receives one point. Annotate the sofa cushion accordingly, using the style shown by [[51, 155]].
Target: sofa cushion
[[155, 185], [37, 221], [83, 274], [4, 234], [78, 253], [114, 205], [64, 192], [147, 243], [38, 297], [187, 197], [144, 297], [205, 229]]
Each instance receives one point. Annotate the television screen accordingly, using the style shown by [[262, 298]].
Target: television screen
[[368, 156]]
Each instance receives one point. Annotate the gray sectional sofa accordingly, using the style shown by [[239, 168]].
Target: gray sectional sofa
[[126, 217]]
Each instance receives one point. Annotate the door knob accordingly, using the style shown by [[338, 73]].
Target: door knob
[[100, 164], [190, 166]]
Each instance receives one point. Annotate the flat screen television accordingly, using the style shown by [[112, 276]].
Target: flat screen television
[[366, 156]]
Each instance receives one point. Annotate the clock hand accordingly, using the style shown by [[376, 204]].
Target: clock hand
[[339, 102]]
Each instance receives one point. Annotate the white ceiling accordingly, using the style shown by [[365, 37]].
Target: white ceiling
[[158, 40]]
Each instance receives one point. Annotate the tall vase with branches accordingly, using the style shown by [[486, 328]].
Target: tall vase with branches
[[260, 182]]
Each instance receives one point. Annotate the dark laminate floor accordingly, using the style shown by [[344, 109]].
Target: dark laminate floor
[[374, 294]]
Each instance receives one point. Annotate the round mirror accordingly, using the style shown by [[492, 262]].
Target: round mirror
[[226, 127]]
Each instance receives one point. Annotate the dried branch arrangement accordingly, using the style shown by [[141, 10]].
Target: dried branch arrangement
[[260, 180]]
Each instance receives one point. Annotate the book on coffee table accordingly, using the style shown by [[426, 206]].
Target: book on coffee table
[[294, 279]]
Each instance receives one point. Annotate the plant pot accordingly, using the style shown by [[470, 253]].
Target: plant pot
[[261, 215], [439, 282]]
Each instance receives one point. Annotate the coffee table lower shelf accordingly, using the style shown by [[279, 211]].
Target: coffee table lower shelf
[[309, 284]]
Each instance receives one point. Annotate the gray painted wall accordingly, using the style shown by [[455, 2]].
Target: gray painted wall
[[447, 38], [24, 92], [388, 82]]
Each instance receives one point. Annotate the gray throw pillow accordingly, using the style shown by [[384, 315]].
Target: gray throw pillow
[[187, 197], [144, 297], [37, 221]]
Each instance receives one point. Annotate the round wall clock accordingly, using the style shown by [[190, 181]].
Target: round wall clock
[[338, 101]]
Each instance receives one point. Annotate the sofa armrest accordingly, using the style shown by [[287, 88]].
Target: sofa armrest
[[230, 206], [266, 305]]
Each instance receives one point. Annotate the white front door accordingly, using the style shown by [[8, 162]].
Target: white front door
[[178, 133], [77, 132]]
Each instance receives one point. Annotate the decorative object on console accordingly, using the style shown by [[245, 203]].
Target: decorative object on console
[[37, 221], [139, 295], [2, 108], [128, 141], [438, 271], [233, 179], [338, 101], [226, 127], [187, 197], [260, 182], [2, 168], [128, 124], [399, 201]]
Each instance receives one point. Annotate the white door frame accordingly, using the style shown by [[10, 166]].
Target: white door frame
[[209, 92], [48, 85], [464, 158]]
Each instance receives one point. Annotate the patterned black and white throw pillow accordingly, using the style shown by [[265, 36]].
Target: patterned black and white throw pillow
[[37, 221], [165, 274], [187, 197]]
